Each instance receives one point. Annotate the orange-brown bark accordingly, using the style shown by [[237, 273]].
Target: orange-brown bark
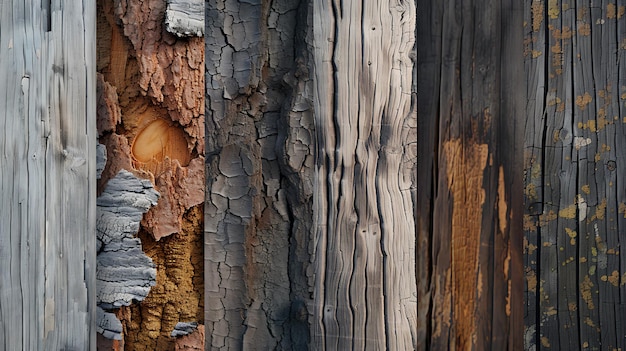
[[151, 120]]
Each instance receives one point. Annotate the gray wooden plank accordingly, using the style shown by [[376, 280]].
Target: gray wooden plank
[[364, 215], [48, 104], [536, 58]]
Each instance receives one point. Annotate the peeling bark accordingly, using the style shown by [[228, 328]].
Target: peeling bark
[[151, 119], [185, 18], [123, 272]]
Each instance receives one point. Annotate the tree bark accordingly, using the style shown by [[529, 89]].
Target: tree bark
[[151, 122]]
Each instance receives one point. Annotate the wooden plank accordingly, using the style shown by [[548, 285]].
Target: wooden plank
[[469, 216], [620, 164], [429, 19], [577, 236], [47, 299], [365, 289], [536, 59]]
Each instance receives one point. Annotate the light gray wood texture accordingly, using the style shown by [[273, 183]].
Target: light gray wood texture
[[365, 293], [47, 175]]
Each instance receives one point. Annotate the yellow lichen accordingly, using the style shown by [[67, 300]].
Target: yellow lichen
[[610, 11], [568, 212], [584, 29], [550, 311], [553, 9], [572, 306], [537, 14], [531, 281], [585, 290], [586, 189], [583, 100], [600, 211]]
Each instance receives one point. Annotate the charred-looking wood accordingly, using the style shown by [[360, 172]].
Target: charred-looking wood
[[260, 144], [469, 207], [574, 164]]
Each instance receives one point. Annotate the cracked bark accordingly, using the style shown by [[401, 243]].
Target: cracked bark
[[259, 175]]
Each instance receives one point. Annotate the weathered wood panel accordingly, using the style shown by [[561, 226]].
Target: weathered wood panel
[[365, 294], [574, 165], [469, 203], [47, 175]]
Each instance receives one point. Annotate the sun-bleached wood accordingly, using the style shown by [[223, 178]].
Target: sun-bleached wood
[[47, 175], [365, 292]]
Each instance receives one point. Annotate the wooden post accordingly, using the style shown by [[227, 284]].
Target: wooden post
[[47, 175], [470, 123]]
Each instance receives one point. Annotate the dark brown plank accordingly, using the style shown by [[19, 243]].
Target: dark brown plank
[[471, 129]]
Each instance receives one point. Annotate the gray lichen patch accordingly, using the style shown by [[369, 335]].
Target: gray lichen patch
[[185, 18], [123, 271]]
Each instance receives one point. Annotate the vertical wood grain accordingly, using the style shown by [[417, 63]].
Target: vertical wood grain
[[47, 175], [574, 163], [365, 292], [469, 217]]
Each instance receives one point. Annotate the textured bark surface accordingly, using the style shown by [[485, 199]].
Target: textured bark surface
[[259, 175], [123, 272], [47, 175], [151, 121], [469, 208], [575, 161]]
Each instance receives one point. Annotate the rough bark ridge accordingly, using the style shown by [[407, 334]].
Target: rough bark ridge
[[575, 161], [259, 175], [151, 121], [365, 281], [469, 208]]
